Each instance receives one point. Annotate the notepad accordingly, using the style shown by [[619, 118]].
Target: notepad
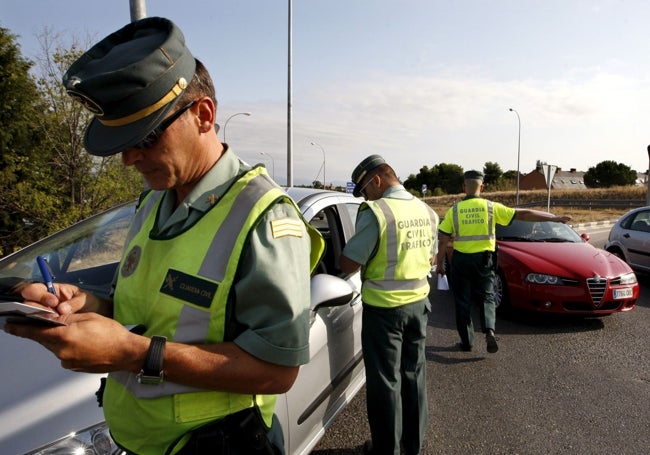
[[25, 314]]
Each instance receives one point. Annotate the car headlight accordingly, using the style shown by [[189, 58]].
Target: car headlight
[[94, 440], [542, 278], [628, 278]]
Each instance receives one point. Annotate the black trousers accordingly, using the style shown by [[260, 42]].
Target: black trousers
[[472, 282]]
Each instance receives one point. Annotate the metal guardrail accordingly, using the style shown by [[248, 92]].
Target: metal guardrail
[[589, 203]]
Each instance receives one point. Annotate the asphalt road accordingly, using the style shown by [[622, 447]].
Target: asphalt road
[[557, 386]]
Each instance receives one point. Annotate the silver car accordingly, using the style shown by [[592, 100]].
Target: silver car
[[47, 410], [629, 239]]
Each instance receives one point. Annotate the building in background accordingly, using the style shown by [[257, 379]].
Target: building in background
[[562, 180]]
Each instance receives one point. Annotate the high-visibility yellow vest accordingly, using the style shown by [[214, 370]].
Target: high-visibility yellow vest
[[474, 223], [397, 274], [181, 289]]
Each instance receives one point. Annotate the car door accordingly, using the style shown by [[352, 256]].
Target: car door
[[335, 371], [637, 240]]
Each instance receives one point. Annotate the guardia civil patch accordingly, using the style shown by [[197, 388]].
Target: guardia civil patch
[[189, 288], [284, 227], [131, 262]]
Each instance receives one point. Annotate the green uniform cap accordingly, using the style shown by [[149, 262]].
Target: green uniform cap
[[362, 169], [473, 175], [129, 81]]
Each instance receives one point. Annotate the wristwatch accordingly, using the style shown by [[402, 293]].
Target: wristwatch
[[152, 370]]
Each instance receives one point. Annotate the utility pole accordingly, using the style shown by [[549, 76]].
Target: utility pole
[[647, 179], [138, 10], [289, 105]]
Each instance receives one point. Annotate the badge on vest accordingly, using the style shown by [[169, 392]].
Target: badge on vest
[[131, 262], [189, 288], [286, 227]]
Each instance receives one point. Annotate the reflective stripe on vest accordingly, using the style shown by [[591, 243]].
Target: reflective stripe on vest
[[470, 238], [396, 274]]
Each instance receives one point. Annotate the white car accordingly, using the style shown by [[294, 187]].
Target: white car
[[47, 410], [629, 239]]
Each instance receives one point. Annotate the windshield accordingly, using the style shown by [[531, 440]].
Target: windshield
[[540, 231], [86, 253]]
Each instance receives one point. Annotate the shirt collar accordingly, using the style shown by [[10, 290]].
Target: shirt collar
[[206, 193], [392, 190]]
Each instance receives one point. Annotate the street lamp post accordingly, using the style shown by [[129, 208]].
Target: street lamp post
[[518, 153], [272, 162], [647, 179], [228, 119], [323, 150]]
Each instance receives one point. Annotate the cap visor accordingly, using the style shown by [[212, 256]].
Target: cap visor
[[102, 140]]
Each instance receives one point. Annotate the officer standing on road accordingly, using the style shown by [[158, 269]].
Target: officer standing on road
[[472, 223], [395, 244], [216, 265]]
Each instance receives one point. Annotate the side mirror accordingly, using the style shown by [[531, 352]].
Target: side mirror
[[585, 237], [329, 291]]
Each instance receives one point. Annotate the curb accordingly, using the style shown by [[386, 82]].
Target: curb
[[594, 224]]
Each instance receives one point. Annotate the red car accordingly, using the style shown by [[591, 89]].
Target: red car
[[548, 267]]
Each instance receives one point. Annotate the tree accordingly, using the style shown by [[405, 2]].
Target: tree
[[23, 169], [510, 175], [440, 179], [609, 173], [89, 184], [47, 179], [492, 175], [450, 178]]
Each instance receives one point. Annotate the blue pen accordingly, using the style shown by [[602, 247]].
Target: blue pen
[[47, 276]]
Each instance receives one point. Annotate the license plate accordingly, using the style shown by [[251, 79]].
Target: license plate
[[622, 293]]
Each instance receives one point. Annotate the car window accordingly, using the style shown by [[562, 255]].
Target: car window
[[352, 209], [515, 230], [103, 247], [85, 254], [328, 223], [640, 222], [541, 231]]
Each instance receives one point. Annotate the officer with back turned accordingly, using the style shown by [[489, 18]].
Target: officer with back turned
[[394, 245], [472, 223]]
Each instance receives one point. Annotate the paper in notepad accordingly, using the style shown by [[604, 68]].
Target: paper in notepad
[[23, 313]]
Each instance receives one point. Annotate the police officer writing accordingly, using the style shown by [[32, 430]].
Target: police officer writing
[[216, 265], [395, 244], [471, 223]]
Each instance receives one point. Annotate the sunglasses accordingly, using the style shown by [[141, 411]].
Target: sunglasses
[[151, 138], [363, 188]]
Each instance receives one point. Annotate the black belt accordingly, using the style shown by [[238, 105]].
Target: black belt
[[241, 433]]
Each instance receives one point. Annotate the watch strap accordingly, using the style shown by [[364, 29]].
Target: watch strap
[[152, 370]]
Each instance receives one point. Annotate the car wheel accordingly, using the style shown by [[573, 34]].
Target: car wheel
[[501, 298]]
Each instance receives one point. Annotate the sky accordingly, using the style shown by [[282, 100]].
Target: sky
[[420, 82]]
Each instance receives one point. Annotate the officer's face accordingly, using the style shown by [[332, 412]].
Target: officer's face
[[168, 162], [369, 188]]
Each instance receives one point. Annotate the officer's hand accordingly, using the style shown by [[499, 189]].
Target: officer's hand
[[90, 343], [68, 299], [61, 302]]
